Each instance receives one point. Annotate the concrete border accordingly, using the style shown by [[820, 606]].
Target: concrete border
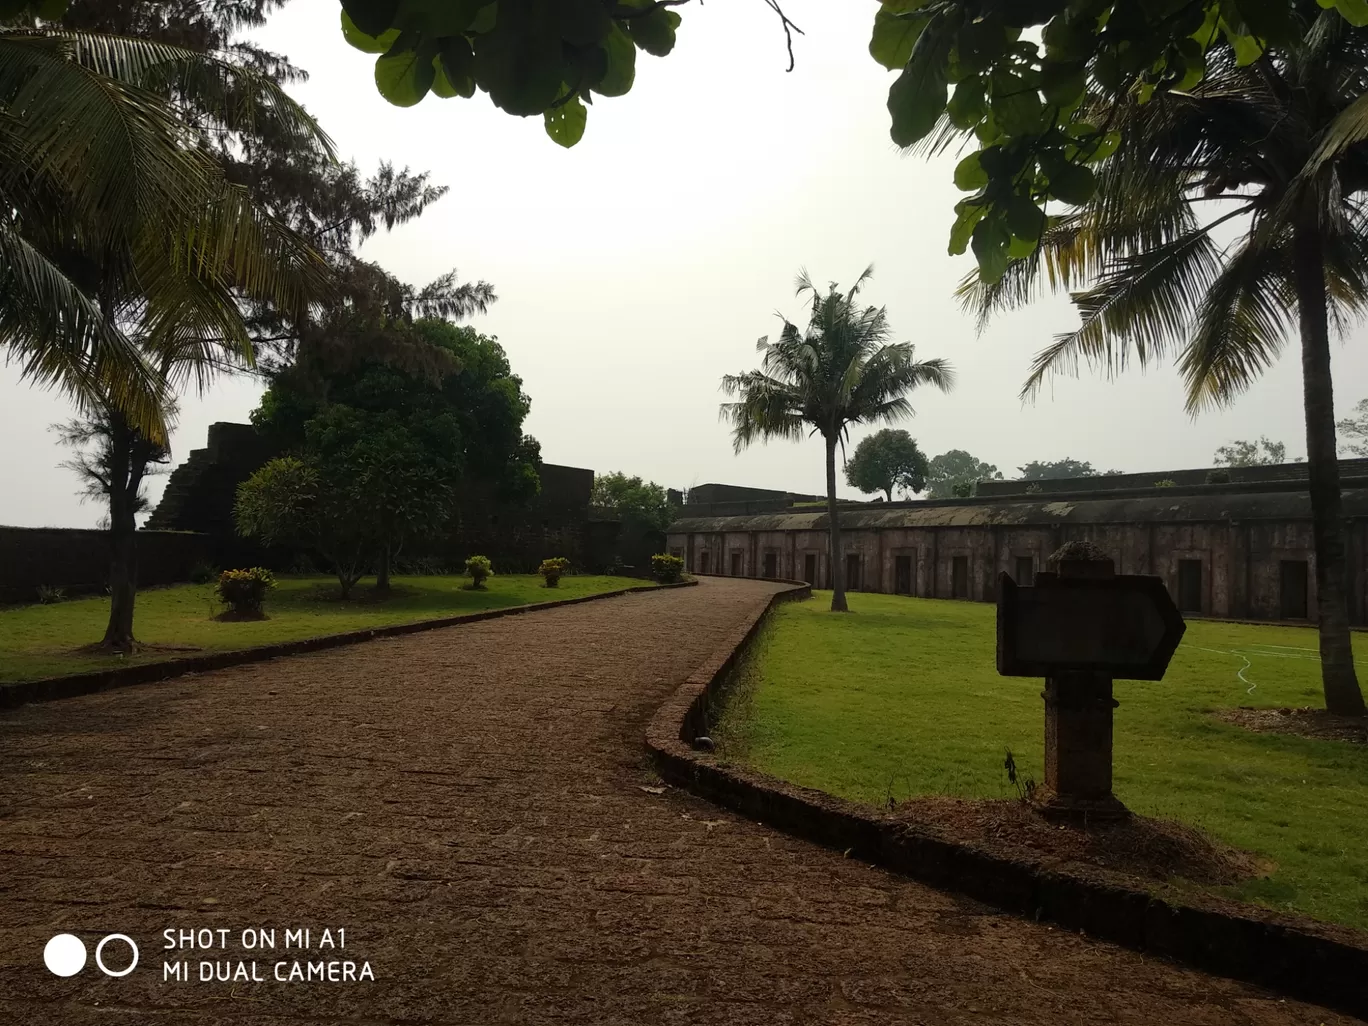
[[48, 689], [1313, 961]]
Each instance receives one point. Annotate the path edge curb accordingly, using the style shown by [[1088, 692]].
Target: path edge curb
[[50, 689], [1322, 963]]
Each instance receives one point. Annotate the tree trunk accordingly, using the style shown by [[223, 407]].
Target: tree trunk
[[123, 538], [382, 573], [838, 595], [1342, 694]]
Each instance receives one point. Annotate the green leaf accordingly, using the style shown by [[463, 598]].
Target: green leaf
[[1017, 107], [1355, 11], [917, 99], [52, 10], [520, 66], [991, 242], [372, 17], [621, 68], [903, 6], [969, 174], [1270, 21], [967, 103], [1019, 247], [363, 42], [980, 43], [457, 67], [443, 86], [1062, 84], [894, 37], [1025, 220], [405, 78], [582, 22], [1072, 183], [565, 124], [655, 32], [1102, 148], [967, 217], [1247, 48], [486, 19]]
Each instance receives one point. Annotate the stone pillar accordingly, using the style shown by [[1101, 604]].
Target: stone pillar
[[1078, 718]]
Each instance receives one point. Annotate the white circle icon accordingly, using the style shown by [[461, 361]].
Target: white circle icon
[[99, 950], [65, 955]]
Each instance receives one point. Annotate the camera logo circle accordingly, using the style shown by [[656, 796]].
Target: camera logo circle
[[65, 955]]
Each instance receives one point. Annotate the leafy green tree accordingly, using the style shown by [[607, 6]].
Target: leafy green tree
[[954, 474], [886, 460], [842, 370], [1067, 467], [631, 498], [1281, 142], [292, 501], [1355, 427], [1241, 453], [427, 408]]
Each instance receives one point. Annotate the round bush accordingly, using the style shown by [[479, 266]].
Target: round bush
[[244, 591]]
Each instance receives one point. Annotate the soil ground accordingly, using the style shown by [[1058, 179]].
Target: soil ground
[[1313, 723], [473, 806], [1141, 846]]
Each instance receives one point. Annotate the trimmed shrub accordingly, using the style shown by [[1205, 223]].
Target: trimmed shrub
[[667, 569], [552, 569], [480, 570], [244, 591], [49, 594], [1166, 482]]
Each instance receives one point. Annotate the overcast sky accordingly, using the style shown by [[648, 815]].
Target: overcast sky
[[639, 267]]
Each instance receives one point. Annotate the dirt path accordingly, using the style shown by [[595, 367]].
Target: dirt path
[[469, 805]]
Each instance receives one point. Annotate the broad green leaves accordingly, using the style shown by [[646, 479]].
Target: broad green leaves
[[528, 55], [565, 124], [1022, 71], [405, 77]]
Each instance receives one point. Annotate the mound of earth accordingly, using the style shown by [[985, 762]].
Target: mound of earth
[[1313, 723], [1154, 849]]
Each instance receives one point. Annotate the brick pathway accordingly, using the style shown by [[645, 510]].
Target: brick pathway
[[469, 805]]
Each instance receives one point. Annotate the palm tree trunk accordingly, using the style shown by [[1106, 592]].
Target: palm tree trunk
[[838, 595], [1342, 694], [123, 538]]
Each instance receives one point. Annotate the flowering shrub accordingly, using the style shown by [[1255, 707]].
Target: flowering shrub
[[480, 570], [244, 591], [552, 569], [667, 569]]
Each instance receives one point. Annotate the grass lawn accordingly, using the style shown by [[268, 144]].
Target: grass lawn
[[902, 697], [38, 641]]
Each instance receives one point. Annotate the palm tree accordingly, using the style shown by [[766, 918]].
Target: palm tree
[[107, 192], [1279, 145], [125, 253], [842, 371]]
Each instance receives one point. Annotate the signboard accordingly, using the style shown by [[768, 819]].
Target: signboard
[[1123, 626]]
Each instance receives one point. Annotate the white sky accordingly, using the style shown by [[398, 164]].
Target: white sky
[[637, 268]]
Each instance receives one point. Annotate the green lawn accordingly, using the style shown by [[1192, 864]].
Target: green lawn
[[902, 696], [38, 641]]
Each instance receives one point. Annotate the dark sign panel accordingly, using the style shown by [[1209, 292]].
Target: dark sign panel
[[1125, 626]]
